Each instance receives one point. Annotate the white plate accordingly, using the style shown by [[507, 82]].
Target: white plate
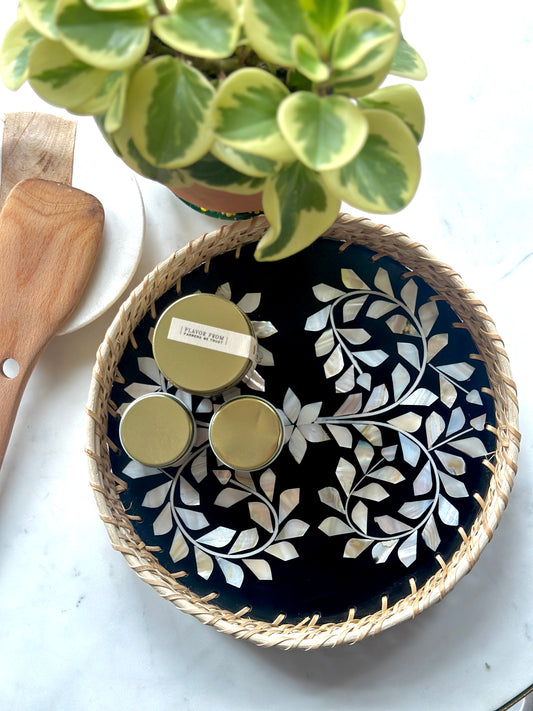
[[98, 171]]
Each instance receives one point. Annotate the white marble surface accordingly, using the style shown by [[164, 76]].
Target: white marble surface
[[80, 631]]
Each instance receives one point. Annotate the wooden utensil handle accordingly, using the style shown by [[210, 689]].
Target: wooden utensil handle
[[11, 390], [49, 237]]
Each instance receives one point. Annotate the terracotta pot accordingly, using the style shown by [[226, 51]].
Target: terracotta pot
[[220, 203]]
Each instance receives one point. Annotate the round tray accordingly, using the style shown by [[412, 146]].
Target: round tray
[[401, 440]]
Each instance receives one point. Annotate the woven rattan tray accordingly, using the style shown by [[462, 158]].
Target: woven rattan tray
[[401, 440]]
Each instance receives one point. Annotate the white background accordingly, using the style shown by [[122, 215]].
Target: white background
[[80, 631]]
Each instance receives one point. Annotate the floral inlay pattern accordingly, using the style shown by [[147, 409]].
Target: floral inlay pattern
[[385, 406]]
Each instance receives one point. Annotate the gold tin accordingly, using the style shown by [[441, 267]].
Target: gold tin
[[157, 430], [204, 344], [246, 433]]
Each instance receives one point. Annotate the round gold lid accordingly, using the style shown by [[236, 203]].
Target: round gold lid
[[157, 430], [204, 344], [246, 433]]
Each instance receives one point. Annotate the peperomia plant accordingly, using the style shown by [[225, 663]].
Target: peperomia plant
[[244, 96]]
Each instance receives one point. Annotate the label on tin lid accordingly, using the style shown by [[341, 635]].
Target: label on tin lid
[[213, 338]]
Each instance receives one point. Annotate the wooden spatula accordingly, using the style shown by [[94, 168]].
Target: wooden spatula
[[49, 237]]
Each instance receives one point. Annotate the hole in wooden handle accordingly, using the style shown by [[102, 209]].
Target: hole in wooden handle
[[10, 368]]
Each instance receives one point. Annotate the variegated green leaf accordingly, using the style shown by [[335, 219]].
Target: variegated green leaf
[[60, 78], [365, 42], [247, 163], [298, 207], [246, 106], [40, 13], [108, 40], [408, 63], [17, 46], [115, 113], [402, 100], [202, 28], [122, 143], [324, 132], [307, 59], [212, 173], [169, 112], [270, 26], [101, 101], [384, 176], [115, 4], [324, 16], [400, 6], [388, 7], [350, 84]]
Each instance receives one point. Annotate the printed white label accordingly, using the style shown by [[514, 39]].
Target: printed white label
[[213, 338]]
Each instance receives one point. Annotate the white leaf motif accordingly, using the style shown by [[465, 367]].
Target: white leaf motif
[[245, 541], [448, 514], [389, 474], [188, 493], [291, 405], [407, 551], [232, 572], [260, 568], [261, 514], [472, 446], [415, 509], [351, 280], [346, 382], [313, 433], [408, 422], [355, 336], [309, 413], [249, 302], [148, 367], [352, 307], [318, 320], [372, 492], [345, 474], [297, 445], [335, 363], [457, 371], [333, 526], [156, 497], [292, 529], [288, 501], [218, 537], [325, 343], [229, 497], [283, 550], [330, 496], [195, 520], [391, 526], [163, 523], [342, 435], [179, 548], [264, 329], [380, 308], [354, 547], [324, 292], [204, 563]]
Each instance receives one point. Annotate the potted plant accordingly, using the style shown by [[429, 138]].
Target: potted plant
[[252, 97]]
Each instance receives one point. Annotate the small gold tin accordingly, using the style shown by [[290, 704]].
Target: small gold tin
[[157, 430], [204, 344], [246, 433]]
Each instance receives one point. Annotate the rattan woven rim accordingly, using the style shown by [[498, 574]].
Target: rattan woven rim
[[308, 633]]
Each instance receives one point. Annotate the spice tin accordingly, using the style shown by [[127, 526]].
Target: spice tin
[[157, 430], [246, 433], [204, 344]]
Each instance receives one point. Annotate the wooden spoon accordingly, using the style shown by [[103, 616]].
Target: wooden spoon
[[49, 237]]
